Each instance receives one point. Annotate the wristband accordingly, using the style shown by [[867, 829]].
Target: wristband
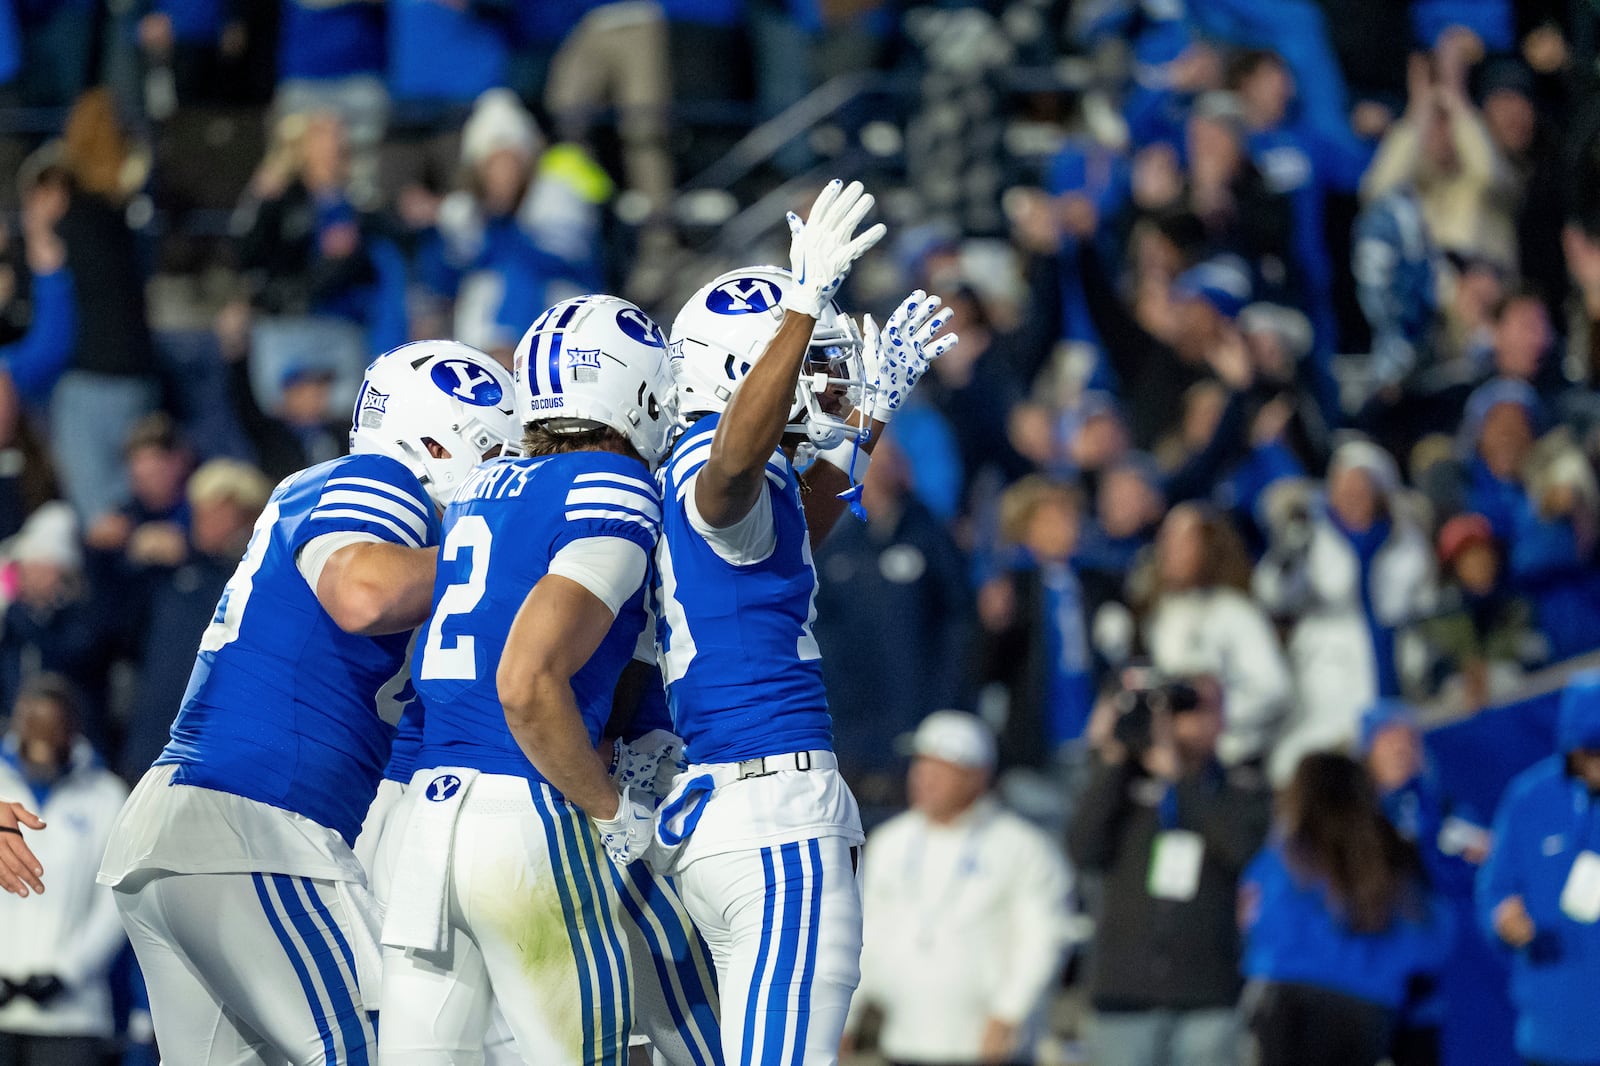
[[848, 457]]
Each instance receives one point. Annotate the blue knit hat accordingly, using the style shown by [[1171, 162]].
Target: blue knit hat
[[1222, 281]]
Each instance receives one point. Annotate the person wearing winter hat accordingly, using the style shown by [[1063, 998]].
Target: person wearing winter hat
[[520, 234], [1483, 640], [1538, 894], [52, 624], [1366, 572]]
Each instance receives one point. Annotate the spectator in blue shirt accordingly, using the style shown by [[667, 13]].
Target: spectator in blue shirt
[[1539, 893], [1337, 922], [1450, 839]]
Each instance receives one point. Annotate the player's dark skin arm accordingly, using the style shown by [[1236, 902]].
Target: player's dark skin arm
[[751, 429], [556, 631], [374, 588], [822, 485]]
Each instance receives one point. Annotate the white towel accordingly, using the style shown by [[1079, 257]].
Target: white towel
[[421, 888]]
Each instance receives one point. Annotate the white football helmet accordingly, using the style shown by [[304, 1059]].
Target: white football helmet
[[440, 391], [724, 328], [597, 361]]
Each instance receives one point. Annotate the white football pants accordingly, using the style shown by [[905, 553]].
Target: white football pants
[[247, 968], [783, 923], [533, 923]]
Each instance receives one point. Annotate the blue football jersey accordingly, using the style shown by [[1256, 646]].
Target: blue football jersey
[[742, 669], [283, 706], [500, 533], [407, 738]]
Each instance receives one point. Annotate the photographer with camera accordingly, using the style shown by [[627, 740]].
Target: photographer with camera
[[1168, 830]]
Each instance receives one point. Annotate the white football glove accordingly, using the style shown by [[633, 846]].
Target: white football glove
[[629, 835], [821, 249], [896, 358], [649, 764]]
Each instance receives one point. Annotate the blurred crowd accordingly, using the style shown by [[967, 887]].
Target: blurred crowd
[[1280, 336]]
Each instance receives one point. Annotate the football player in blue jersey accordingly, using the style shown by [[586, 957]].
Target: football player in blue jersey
[[232, 859], [760, 829], [539, 603]]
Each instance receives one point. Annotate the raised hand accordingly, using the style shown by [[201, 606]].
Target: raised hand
[[823, 247], [898, 356]]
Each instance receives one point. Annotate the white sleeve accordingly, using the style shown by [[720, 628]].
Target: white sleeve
[[749, 540], [610, 567], [316, 552], [1040, 926]]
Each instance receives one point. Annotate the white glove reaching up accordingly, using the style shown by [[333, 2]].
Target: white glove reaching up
[[648, 764], [897, 358], [821, 249], [629, 835]]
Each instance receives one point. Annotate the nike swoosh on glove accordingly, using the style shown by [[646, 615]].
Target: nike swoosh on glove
[[627, 836], [823, 247]]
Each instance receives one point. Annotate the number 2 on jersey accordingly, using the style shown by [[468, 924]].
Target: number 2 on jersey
[[458, 662]]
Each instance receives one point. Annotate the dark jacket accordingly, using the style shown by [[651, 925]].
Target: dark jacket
[[907, 579], [113, 334], [1162, 954]]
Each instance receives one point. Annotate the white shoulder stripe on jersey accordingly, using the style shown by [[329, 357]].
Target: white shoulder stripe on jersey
[[382, 504], [405, 535], [622, 480], [422, 506], [648, 505], [694, 453], [778, 482], [617, 516]]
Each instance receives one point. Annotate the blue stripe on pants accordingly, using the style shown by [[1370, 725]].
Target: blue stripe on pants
[[322, 953], [794, 887], [569, 913], [690, 958], [808, 971], [748, 1043], [616, 1049], [593, 931], [310, 990], [639, 905]]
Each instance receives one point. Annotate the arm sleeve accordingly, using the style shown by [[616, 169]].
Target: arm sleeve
[[1040, 931], [1092, 836], [37, 359], [749, 540], [612, 568], [314, 555], [1500, 877]]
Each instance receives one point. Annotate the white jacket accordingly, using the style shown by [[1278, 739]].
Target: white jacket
[[1224, 633], [963, 923], [1330, 647], [72, 931]]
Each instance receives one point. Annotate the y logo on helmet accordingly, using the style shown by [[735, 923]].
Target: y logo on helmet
[[442, 787], [467, 382], [743, 296], [636, 324]]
